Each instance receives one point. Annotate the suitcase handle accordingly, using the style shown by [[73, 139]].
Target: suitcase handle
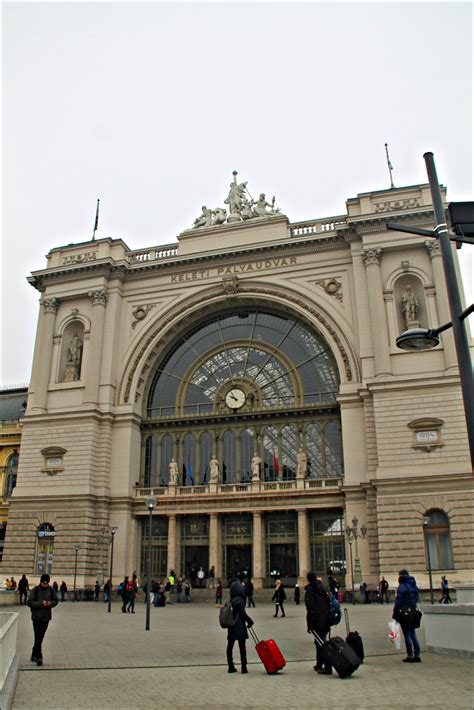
[[253, 634], [319, 640], [346, 617]]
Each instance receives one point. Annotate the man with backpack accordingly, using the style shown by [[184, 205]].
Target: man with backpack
[[317, 604], [42, 599]]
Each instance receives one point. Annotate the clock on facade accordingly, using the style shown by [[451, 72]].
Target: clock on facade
[[235, 398]]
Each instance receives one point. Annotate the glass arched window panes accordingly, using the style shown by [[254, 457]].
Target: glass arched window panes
[[228, 457], [149, 468], [289, 449], [12, 470], [270, 454], [165, 458], [314, 451], [205, 455], [333, 441], [438, 540], [189, 457], [273, 351], [247, 447]]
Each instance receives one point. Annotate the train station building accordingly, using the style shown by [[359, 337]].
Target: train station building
[[246, 378]]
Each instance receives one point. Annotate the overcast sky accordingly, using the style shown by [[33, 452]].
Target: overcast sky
[[150, 106]]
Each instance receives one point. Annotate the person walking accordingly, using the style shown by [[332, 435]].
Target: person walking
[[238, 632], [122, 590], [407, 596], [42, 599], [63, 590], [279, 598], [187, 592], [96, 590], [23, 586], [107, 588], [316, 600], [219, 592], [445, 598], [297, 594], [249, 593], [211, 576], [200, 577], [383, 591], [132, 589]]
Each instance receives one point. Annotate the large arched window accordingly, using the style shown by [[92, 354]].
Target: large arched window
[[277, 361], [438, 540]]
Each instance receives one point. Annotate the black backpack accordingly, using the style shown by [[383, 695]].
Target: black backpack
[[226, 616]]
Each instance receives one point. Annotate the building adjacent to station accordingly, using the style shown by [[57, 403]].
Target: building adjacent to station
[[246, 377]]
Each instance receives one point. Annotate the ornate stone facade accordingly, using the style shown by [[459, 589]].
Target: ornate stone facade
[[262, 409]]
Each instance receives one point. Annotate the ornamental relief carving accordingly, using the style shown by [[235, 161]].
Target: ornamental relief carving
[[98, 297], [433, 247], [141, 312], [209, 295], [331, 287], [50, 305], [372, 256], [393, 205]]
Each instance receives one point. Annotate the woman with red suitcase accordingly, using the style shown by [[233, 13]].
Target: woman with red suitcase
[[238, 632]]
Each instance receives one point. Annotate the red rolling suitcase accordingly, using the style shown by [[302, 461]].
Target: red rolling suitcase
[[269, 653]]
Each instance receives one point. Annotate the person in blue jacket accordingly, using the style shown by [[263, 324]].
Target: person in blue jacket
[[407, 595]]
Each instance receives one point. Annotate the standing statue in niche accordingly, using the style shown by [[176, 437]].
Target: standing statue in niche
[[256, 461], [214, 471], [409, 307], [302, 464], [73, 359], [173, 475]]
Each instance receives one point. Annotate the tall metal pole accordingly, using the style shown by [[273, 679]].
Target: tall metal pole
[[352, 572], [148, 582], [112, 536], [454, 299], [75, 574]]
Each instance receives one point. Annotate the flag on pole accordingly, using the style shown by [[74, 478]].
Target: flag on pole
[[275, 466], [190, 471], [96, 223]]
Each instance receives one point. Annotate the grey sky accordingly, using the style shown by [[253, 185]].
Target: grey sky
[[151, 106]]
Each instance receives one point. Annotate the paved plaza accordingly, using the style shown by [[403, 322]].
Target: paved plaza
[[101, 661]]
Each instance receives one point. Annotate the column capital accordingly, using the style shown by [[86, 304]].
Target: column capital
[[98, 296], [50, 305], [433, 247], [372, 256]]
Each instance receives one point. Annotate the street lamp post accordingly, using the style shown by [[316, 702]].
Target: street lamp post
[[349, 540], [100, 542], [112, 536], [76, 548], [150, 504], [353, 533], [423, 338], [426, 521]]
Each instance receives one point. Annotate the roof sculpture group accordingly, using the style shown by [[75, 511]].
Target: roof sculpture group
[[241, 207]]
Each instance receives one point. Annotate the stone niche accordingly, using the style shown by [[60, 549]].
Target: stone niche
[[416, 287], [72, 347]]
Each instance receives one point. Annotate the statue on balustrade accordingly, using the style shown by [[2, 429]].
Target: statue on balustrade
[[256, 461], [173, 477], [302, 464], [214, 471]]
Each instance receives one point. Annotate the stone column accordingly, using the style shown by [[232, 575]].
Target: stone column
[[303, 547], [44, 353], [99, 300], [258, 551], [434, 250], [378, 316], [214, 543], [171, 542]]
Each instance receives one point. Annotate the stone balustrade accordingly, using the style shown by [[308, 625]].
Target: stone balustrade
[[251, 488]]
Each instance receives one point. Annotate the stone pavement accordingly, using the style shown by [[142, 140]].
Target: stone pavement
[[102, 661]]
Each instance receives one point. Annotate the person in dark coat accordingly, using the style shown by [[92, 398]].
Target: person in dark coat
[[23, 587], [279, 597], [407, 595], [238, 632], [316, 600], [42, 599], [297, 594]]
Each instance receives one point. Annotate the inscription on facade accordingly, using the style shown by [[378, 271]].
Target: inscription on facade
[[79, 258], [262, 265]]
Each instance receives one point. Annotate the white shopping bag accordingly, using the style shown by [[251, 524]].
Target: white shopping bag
[[394, 633]]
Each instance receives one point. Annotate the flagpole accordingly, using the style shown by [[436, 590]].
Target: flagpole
[[390, 166], [96, 223]]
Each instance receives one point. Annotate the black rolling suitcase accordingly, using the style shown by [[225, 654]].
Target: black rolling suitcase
[[353, 638], [340, 655]]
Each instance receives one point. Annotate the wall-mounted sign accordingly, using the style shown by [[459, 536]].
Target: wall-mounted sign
[[426, 433], [45, 530]]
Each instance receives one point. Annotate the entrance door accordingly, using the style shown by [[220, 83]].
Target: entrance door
[[283, 561], [195, 556], [238, 561]]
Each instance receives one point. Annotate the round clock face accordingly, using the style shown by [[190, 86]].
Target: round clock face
[[235, 398]]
